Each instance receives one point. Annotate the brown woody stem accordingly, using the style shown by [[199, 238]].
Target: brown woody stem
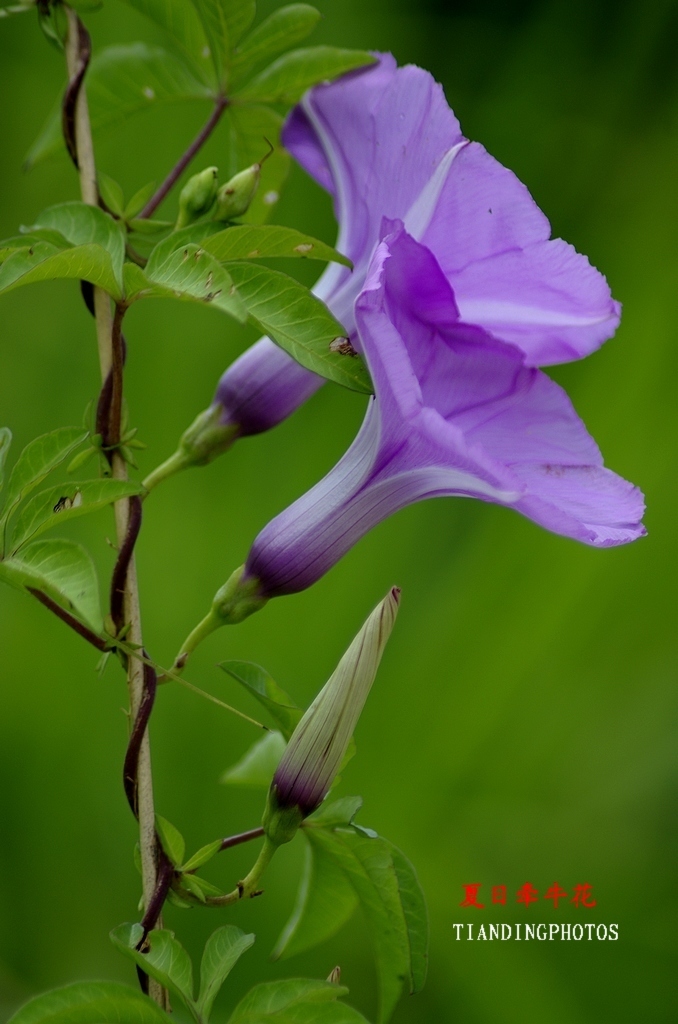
[[111, 356], [201, 138]]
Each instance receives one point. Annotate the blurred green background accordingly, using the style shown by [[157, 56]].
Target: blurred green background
[[523, 724]]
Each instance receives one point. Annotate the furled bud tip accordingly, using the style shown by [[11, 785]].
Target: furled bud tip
[[197, 196], [318, 744], [234, 198]]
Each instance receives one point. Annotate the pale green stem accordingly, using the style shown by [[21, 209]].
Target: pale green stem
[[165, 470], [209, 625], [250, 884]]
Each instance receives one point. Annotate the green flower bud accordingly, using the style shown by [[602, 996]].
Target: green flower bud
[[234, 198], [237, 599], [197, 196], [318, 744], [206, 438], [280, 823]]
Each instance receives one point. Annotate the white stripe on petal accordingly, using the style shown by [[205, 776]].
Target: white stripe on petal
[[420, 213]]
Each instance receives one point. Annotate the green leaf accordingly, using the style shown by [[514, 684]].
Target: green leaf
[[288, 78], [283, 29], [5, 442], [62, 570], [184, 29], [7, 12], [146, 226], [325, 902], [250, 129], [111, 193], [38, 459], [121, 81], [177, 901], [200, 887], [416, 917], [193, 234], [215, 26], [45, 262], [239, 16], [28, 238], [139, 200], [172, 840], [257, 767], [264, 688], [91, 1002], [58, 504], [164, 958], [223, 949], [202, 856], [265, 1002], [192, 884], [189, 274], [300, 323], [81, 224], [338, 812], [247, 241], [396, 919]]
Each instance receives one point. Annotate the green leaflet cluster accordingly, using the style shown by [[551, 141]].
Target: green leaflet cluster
[[204, 263], [293, 1001], [60, 569], [211, 54]]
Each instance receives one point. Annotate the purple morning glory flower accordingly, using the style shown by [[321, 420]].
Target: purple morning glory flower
[[384, 143], [457, 412]]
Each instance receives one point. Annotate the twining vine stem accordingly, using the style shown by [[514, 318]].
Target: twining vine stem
[[184, 160], [77, 128]]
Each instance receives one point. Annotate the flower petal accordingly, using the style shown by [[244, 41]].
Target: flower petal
[[546, 298], [262, 387], [482, 401], [588, 503], [483, 210]]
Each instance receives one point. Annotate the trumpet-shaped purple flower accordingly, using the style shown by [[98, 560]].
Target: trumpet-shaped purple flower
[[456, 412], [384, 143]]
